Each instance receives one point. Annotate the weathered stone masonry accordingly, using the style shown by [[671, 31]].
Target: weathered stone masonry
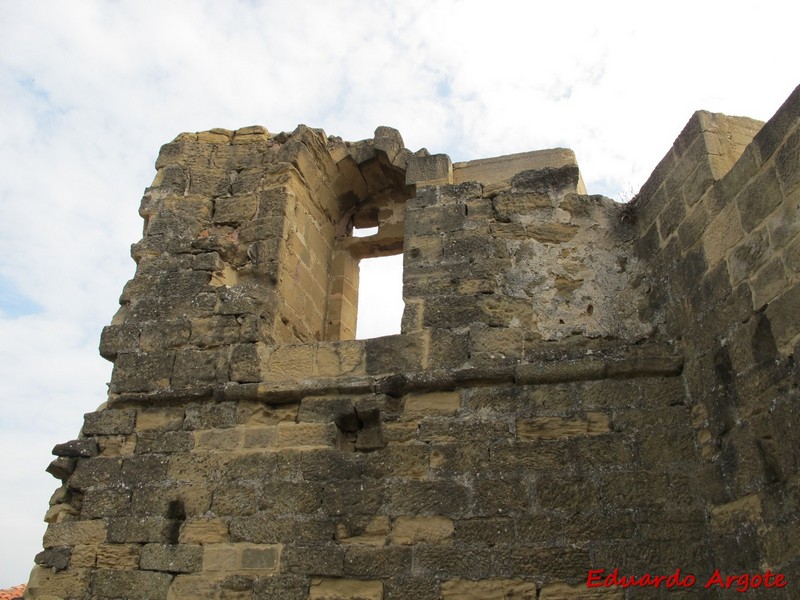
[[577, 385]]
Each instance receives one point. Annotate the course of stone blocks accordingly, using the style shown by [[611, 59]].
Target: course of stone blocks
[[577, 385]]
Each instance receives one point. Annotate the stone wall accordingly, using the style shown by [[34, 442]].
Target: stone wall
[[577, 384], [725, 241]]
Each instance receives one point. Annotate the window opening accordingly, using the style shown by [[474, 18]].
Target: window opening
[[364, 231], [380, 296]]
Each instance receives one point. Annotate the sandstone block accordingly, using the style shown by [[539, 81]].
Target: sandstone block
[[109, 422], [782, 313], [204, 531], [83, 556], [219, 439], [164, 335], [446, 498], [300, 435], [377, 561], [171, 559], [722, 234], [405, 586], [117, 556], [290, 362], [758, 199], [260, 558], [728, 518], [412, 530], [123, 530], [564, 591], [162, 442], [97, 471], [61, 468], [489, 589], [389, 141], [342, 498], [406, 460], [57, 559], [472, 562], [394, 353], [142, 372], [194, 368], [73, 533], [787, 162], [767, 284], [196, 585], [143, 468], [543, 428], [239, 498], [118, 338], [106, 502], [116, 445], [323, 560], [487, 530], [259, 437], [436, 169], [431, 404], [214, 331], [363, 530], [498, 495], [235, 210], [345, 589], [47, 584], [340, 358], [496, 345], [287, 587], [77, 448], [326, 409], [264, 529], [132, 585], [210, 416]]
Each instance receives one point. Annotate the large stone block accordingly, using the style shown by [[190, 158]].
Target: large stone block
[[142, 372], [436, 169], [109, 422], [133, 585], [171, 559], [345, 589], [782, 313], [73, 533], [759, 198], [489, 589]]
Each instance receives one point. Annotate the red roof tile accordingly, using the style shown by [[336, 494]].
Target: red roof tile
[[13, 593]]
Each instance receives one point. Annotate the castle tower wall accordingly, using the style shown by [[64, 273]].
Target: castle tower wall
[[719, 221], [577, 385]]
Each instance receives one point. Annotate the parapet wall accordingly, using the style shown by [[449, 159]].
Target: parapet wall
[[578, 385]]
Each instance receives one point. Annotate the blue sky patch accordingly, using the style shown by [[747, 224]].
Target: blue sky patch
[[13, 303]]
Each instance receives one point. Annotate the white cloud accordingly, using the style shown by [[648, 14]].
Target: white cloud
[[90, 90]]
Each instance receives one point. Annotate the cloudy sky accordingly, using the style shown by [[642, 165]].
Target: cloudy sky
[[89, 91]]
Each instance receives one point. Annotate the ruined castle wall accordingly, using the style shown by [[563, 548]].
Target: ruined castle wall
[[725, 240], [467, 492], [577, 384]]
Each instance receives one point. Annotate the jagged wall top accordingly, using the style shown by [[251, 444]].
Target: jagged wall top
[[248, 269]]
